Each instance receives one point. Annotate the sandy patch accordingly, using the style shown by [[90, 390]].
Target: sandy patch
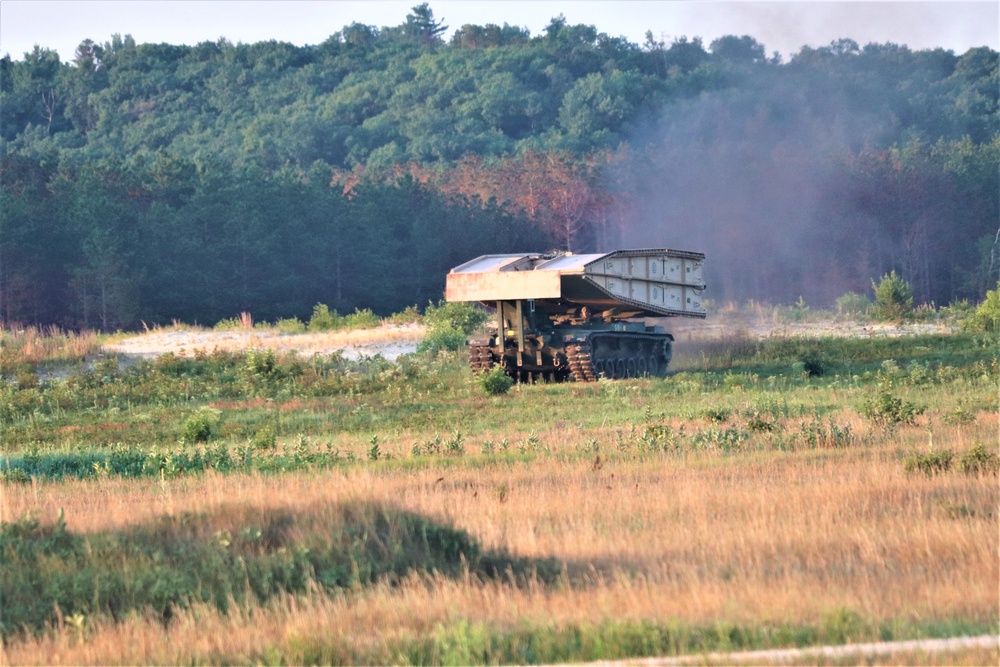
[[388, 341]]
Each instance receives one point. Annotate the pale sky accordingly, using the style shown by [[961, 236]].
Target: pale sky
[[780, 26]]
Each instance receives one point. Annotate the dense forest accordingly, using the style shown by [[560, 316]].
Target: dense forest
[[150, 182]]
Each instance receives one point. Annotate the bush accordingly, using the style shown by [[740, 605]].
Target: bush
[[958, 311], [987, 316], [260, 366], [931, 463], [200, 426], [408, 316], [293, 326], [264, 438], [717, 415], [853, 304], [812, 364], [893, 298], [495, 381], [979, 460], [887, 410], [441, 339], [322, 319], [231, 324], [362, 319], [464, 317]]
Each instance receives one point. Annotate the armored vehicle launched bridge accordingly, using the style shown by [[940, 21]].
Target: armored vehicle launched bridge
[[562, 315]]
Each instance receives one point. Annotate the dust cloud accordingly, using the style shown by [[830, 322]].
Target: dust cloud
[[755, 178]]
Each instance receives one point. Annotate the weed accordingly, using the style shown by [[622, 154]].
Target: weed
[[757, 423], [826, 434], [717, 415], [503, 491], [456, 446], [724, 440], [959, 417], [15, 476]]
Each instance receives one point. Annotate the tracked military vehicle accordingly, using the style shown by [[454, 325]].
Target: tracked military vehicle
[[561, 316]]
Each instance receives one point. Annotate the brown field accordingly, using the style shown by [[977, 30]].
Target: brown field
[[757, 539]]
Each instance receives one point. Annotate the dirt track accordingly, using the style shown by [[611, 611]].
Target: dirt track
[[859, 653]]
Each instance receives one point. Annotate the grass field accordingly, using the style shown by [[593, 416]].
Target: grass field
[[238, 507]]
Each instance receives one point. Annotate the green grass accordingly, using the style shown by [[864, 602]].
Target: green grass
[[259, 412], [464, 643]]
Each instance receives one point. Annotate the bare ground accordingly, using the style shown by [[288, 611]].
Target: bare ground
[[392, 341], [388, 341]]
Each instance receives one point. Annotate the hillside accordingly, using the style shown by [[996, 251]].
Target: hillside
[[148, 182]]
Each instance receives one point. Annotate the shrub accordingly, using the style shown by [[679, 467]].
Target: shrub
[[758, 423], [464, 317], [930, 463], [958, 417], [322, 319], [958, 311], [15, 476], [797, 312], [199, 427], [812, 364], [853, 304], [293, 325], [260, 365], [446, 338], [979, 460], [717, 415], [408, 316], [987, 316], [231, 324], [496, 381], [264, 438], [362, 319], [887, 410], [893, 298]]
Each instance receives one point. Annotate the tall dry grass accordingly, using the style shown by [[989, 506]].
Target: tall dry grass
[[36, 345], [764, 538]]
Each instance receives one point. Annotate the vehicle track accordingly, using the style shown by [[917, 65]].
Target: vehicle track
[[863, 653]]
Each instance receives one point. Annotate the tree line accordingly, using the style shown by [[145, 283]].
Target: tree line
[[150, 182]]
